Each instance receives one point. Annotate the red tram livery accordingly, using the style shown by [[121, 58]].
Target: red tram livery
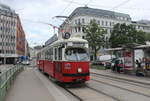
[[65, 60]]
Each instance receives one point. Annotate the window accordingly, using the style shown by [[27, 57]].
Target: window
[[76, 29], [55, 53], [79, 21], [98, 22], [83, 21], [83, 29], [106, 23], [50, 52], [79, 29], [102, 23], [75, 21], [110, 23], [113, 23], [60, 53], [76, 54]]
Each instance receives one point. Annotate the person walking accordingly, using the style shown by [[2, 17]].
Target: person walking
[[139, 71]]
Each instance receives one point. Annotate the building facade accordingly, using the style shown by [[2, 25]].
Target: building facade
[[11, 35], [20, 41], [106, 19], [143, 25], [83, 15]]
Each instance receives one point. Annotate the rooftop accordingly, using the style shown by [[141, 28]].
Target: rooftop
[[97, 12], [5, 8]]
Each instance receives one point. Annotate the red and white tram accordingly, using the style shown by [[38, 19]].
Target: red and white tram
[[65, 60]]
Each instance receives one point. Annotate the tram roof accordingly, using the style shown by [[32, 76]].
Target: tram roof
[[72, 39]]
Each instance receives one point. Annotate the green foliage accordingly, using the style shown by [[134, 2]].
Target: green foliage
[[95, 36], [147, 36], [123, 34]]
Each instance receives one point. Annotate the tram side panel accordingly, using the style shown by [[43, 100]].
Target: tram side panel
[[41, 64], [58, 71], [72, 71], [49, 67]]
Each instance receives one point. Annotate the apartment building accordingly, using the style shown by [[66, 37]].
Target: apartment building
[[20, 39], [11, 35]]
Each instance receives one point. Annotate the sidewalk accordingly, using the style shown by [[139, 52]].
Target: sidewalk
[[30, 85], [145, 80]]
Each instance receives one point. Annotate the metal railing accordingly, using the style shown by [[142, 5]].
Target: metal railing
[[7, 78]]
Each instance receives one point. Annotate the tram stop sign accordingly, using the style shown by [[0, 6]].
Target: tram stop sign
[[66, 35]]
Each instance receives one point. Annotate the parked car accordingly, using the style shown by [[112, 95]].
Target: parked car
[[96, 63], [105, 63], [117, 62], [26, 62]]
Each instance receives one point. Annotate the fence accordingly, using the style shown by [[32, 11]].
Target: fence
[[7, 78]]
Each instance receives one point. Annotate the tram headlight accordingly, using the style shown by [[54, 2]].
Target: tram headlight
[[79, 70]]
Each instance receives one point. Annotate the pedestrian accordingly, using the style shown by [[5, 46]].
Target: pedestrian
[[139, 71], [138, 64], [117, 65]]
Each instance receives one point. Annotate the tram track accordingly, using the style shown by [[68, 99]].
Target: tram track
[[139, 93], [123, 81], [73, 94], [133, 82], [103, 93], [93, 89]]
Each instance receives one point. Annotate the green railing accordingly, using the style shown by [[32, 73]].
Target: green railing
[[7, 78]]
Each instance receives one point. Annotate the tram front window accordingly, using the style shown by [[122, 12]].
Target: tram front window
[[76, 54]]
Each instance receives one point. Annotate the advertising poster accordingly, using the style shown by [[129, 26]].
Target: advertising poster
[[128, 61]]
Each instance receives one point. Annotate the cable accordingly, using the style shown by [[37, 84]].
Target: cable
[[40, 22], [66, 7], [77, 3], [89, 2], [124, 2]]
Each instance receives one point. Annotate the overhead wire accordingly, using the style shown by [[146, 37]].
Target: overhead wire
[[66, 7], [122, 3], [77, 3], [89, 2], [40, 22]]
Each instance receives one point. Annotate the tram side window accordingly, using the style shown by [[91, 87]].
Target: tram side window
[[46, 54], [55, 53], [39, 56], [60, 53], [50, 53]]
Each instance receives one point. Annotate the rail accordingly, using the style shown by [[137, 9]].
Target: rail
[[7, 78]]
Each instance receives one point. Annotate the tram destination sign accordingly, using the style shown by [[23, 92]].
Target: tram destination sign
[[78, 44]]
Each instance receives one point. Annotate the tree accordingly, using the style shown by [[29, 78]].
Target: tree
[[147, 36], [95, 35], [123, 34]]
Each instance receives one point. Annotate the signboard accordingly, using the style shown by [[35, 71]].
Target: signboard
[[128, 61], [78, 44]]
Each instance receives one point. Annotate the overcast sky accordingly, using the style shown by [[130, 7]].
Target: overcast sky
[[32, 12]]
